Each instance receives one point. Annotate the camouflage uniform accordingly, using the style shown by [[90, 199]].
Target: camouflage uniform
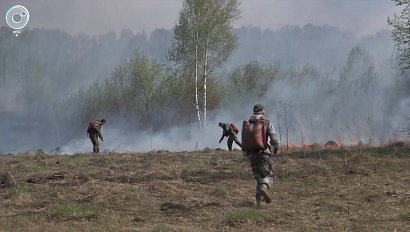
[[95, 133], [261, 162], [228, 131]]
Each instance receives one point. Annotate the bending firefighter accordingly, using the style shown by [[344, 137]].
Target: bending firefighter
[[94, 132], [230, 131], [256, 132]]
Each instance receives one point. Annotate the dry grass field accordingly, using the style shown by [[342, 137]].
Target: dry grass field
[[345, 189]]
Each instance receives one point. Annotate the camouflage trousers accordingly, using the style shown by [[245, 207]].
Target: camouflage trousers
[[96, 145], [231, 139], [261, 164]]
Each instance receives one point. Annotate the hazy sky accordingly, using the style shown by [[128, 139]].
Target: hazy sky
[[362, 17]]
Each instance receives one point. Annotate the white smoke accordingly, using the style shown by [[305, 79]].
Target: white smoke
[[315, 114], [185, 138]]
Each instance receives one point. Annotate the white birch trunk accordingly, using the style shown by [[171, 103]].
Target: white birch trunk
[[196, 83], [205, 87]]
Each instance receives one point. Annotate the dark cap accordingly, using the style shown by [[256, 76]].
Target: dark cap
[[103, 120], [258, 108]]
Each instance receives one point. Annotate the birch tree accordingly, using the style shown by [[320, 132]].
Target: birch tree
[[401, 32], [204, 40]]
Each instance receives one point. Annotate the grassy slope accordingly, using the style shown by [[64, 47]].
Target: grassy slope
[[354, 190]]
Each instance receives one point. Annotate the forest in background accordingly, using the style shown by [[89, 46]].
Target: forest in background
[[324, 82]]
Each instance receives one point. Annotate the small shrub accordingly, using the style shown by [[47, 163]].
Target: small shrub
[[40, 154]]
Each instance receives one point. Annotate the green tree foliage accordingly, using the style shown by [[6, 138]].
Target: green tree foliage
[[206, 25], [251, 80], [180, 91], [144, 85], [401, 32], [135, 91], [204, 40]]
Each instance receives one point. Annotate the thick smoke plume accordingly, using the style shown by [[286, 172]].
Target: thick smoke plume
[[332, 85]]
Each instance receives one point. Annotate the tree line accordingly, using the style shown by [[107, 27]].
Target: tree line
[[176, 77]]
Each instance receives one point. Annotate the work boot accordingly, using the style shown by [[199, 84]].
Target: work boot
[[264, 192]]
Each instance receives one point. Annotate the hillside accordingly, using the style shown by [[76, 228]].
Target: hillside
[[326, 190]]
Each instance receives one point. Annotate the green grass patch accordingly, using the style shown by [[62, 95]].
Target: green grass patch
[[244, 216], [20, 190], [161, 228], [74, 212], [129, 189], [15, 192], [405, 216]]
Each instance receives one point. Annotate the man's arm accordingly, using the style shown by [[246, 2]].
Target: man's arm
[[97, 127], [100, 135], [222, 137], [273, 140], [275, 144], [225, 127]]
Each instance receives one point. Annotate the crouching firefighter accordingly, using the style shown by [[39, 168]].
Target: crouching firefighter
[[94, 132], [229, 130], [256, 132]]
